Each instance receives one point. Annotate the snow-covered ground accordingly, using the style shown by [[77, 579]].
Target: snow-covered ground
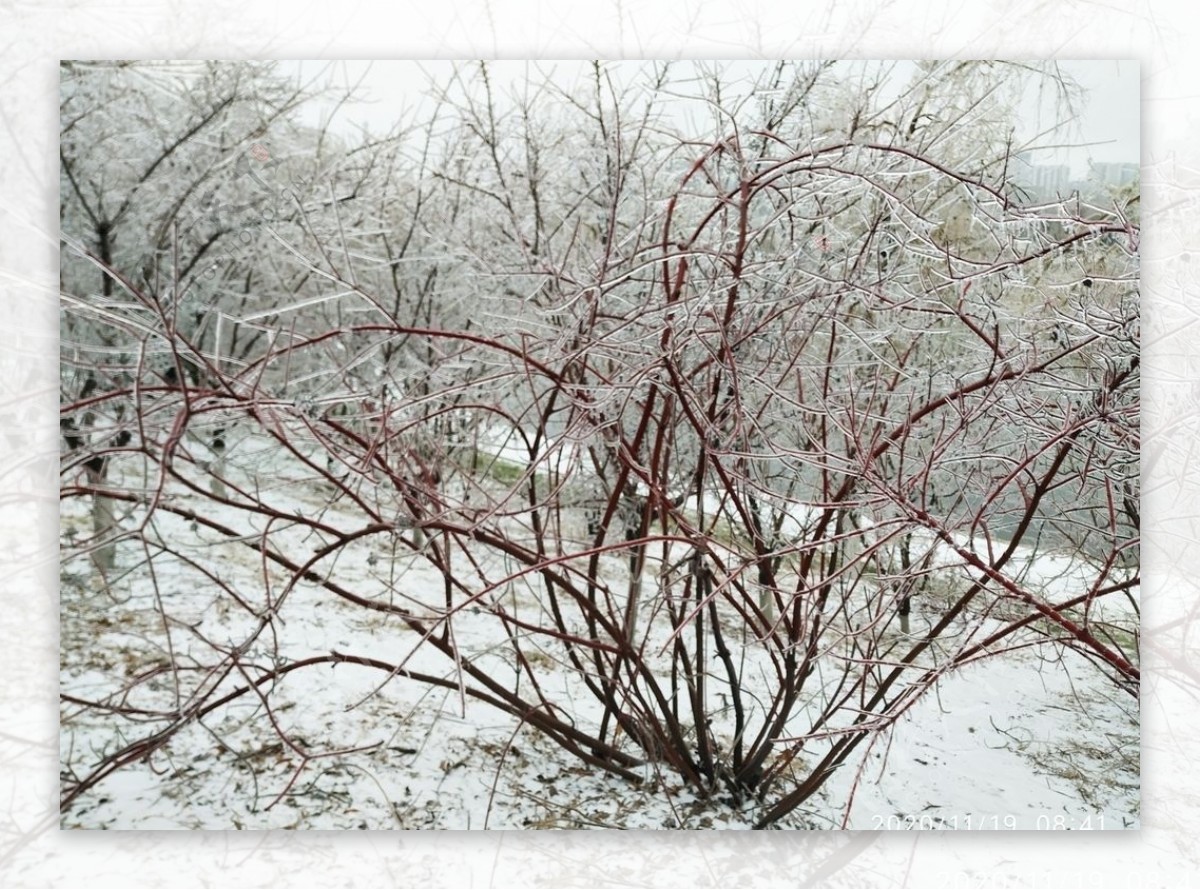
[[1030, 739]]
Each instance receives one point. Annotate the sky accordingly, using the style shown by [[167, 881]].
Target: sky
[[1107, 127], [1109, 121]]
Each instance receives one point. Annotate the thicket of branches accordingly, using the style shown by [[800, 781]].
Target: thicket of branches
[[745, 411]]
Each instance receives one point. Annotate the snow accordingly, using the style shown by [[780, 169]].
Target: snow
[[1004, 745], [1029, 739]]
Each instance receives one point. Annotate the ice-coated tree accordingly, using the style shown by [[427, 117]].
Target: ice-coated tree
[[682, 415]]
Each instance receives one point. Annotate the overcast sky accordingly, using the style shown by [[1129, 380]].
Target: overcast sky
[[1107, 126], [1110, 121]]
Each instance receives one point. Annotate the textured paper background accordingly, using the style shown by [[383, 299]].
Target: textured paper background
[[34, 35]]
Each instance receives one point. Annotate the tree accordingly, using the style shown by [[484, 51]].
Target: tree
[[681, 429]]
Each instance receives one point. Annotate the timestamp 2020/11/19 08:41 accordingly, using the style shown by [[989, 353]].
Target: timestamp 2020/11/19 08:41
[[969, 822]]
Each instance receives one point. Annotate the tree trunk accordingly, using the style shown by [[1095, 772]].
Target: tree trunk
[[104, 525]]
